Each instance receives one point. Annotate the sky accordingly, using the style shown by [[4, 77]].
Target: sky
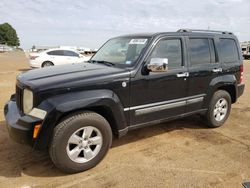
[[89, 23]]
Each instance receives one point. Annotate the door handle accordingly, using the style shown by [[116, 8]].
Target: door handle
[[183, 74], [217, 70]]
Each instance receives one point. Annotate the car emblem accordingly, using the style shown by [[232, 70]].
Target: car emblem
[[124, 84]]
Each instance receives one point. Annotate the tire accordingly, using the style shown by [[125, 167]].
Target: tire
[[64, 151], [47, 64], [219, 109]]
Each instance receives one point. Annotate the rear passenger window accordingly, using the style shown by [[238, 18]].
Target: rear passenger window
[[228, 51], [199, 51], [55, 52], [70, 53]]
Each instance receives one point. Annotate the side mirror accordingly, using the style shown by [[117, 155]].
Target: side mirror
[[158, 65]]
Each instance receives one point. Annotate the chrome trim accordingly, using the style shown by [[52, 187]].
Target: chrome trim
[[135, 126], [184, 74], [126, 109], [159, 108], [191, 99]]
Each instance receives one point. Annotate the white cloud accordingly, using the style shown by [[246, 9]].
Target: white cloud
[[90, 23]]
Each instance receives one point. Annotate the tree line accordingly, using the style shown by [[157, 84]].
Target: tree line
[[8, 35]]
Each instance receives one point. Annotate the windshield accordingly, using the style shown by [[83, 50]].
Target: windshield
[[122, 51]]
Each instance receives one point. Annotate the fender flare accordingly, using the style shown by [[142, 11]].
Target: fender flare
[[216, 83], [59, 106]]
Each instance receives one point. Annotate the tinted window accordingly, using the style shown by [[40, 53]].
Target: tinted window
[[199, 51], [228, 50], [170, 49], [70, 53], [55, 52], [212, 50]]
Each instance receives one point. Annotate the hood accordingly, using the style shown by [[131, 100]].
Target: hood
[[64, 75]]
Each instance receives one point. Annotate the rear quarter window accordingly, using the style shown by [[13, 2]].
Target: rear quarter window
[[228, 51]]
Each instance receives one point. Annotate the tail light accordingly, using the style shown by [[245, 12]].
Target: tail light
[[241, 74], [33, 57]]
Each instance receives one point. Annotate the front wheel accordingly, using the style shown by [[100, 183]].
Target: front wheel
[[219, 109], [80, 142]]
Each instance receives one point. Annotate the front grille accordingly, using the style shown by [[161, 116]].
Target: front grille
[[19, 98]]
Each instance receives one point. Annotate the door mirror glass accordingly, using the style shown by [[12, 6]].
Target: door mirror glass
[[158, 65]]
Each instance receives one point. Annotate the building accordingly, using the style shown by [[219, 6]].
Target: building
[[82, 50], [245, 47], [5, 48]]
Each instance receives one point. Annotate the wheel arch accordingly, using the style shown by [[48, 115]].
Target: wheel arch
[[42, 65], [231, 90], [104, 102], [227, 83], [104, 111]]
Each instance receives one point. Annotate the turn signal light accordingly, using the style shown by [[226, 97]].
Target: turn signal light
[[33, 57], [36, 131]]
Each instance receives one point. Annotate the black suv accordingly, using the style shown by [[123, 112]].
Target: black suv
[[132, 81]]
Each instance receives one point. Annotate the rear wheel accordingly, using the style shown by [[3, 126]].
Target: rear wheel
[[219, 109], [47, 64], [80, 142]]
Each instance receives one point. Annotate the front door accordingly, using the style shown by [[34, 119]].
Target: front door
[[160, 95]]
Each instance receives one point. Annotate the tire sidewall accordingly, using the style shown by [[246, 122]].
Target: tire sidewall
[[68, 127], [45, 62], [216, 97]]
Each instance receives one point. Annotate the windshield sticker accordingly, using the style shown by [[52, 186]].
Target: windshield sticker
[[138, 41], [128, 62]]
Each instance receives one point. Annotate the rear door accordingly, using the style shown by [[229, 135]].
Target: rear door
[[56, 57], [203, 66], [71, 57]]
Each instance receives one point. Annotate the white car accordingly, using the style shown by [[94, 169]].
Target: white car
[[55, 57]]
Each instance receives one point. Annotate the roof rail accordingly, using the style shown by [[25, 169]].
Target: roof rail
[[204, 30]]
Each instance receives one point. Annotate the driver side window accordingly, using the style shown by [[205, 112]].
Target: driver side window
[[169, 49]]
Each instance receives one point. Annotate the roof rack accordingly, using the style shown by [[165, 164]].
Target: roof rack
[[204, 30]]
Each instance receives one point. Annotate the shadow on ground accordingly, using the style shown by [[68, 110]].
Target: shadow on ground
[[16, 159], [24, 70]]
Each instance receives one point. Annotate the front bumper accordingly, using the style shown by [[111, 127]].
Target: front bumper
[[20, 127]]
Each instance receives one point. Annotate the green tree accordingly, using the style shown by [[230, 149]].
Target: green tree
[[8, 35]]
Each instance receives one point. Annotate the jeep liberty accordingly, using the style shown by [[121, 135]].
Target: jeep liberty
[[132, 81]]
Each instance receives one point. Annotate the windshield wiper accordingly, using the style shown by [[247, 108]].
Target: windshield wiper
[[103, 62]]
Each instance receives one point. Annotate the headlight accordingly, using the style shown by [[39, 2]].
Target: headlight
[[27, 101]]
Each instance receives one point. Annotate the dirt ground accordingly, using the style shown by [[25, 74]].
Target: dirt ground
[[182, 153]]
